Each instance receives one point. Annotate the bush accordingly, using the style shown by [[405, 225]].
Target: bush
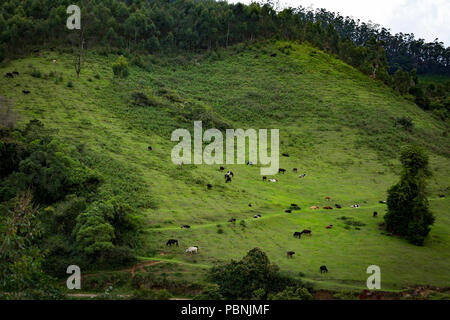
[[141, 99], [405, 122], [36, 73], [69, 84], [241, 279], [292, 293]]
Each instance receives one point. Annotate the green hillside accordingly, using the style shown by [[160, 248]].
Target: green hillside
[[336, 124]]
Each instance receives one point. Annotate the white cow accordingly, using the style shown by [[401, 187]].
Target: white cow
[[192, 250], [272, 180]]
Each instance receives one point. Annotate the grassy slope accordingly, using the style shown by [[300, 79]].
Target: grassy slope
[[336, 124]]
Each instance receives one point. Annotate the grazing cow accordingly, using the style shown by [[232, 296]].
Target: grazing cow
[[329, 226], [302, 175], [323, 269], [281, 170], [295, 169], [354, 206], [294, 205], [315, 207], [249, 163], [209, 185], [288, 211], [285, 154], [192, 250], [375, 214], [185, 226], [338, 206], [221, 168], [441, 195], [249, 204], [328, 198], [273, 55], [54, 61], [170, 242], [272, 180], [382, 201], [25, 91], [232, 220], [9, 75], [227, 179], [230, 173], [15, 73], [328, 208], [264, 178], [290, 254], [297, 234], [150, 148], [308, 232], [257, 216]]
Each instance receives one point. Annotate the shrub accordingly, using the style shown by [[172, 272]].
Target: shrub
[[36, 73], [69, 84], [405, 122]]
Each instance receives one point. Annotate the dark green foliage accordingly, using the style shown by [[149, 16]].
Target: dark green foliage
[[45, 166], [405, 122], [292, 293], [408, 213], [240, 279], [141, 99], [21, 274]]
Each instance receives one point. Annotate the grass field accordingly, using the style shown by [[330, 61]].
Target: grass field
[[336, 124]]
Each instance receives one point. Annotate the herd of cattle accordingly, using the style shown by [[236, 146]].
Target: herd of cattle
[[228, 178], [11, 76]]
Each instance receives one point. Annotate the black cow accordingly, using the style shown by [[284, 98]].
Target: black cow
[[297, 234], [249, 204], [257, 216], [25, 91], [441, 195], [209, 185], [9, 75], [150, 148], [264, 178], [288, 211], [290, 254], [273, 55], [170, 242], [285, 154], [306, 231], [375, 214], [281, 170], [381, 201], [323, 269], [295, 170], [15, 73], [227, 179], [221, 168], [338, 206], [232, 220], [185, 226]]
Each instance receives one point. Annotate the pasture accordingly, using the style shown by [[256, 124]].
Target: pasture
[[336, 124]]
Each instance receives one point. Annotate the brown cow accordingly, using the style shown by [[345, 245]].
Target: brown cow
[[329, 226], [328, 208], [315, 207], [328, 198]]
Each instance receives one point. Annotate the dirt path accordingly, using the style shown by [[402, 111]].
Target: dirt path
[[140, 266]]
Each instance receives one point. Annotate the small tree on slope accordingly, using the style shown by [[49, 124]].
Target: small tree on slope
[[408, 213]]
